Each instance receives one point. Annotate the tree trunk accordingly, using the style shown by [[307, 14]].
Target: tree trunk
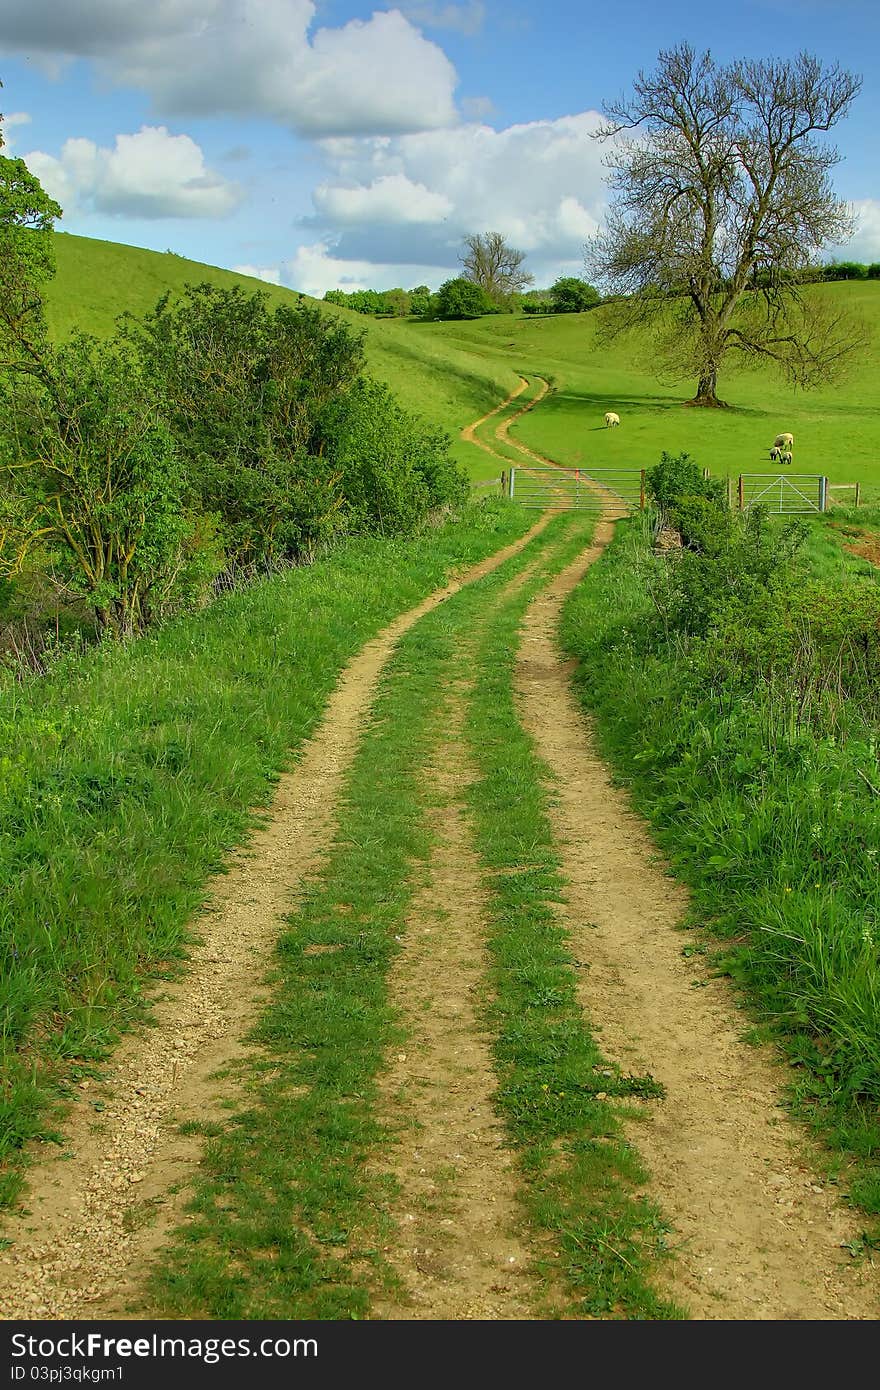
[[706, 390]]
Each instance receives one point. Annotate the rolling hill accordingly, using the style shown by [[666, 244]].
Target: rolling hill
[[454, 372]]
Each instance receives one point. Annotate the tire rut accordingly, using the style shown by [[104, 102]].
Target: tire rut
[[99, 1210], [758, 1235]]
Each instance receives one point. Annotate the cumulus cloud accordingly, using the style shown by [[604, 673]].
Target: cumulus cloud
[[314, 269], [251, 57], [390, 198], [411, 200], [270, 273], [865, 244], [151, 174]]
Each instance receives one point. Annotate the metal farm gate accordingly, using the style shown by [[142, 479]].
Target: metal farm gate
[[785, 493], [594, 490]]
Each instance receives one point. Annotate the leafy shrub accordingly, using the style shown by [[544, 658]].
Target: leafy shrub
[[461, 299], [678, 476], [572, 296], [244, 391], [394, 468], [91, 473]]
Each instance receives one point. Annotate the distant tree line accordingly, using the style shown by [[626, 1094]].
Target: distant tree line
[[463, 298]]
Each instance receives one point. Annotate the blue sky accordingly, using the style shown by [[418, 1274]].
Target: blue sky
[[324, 143]]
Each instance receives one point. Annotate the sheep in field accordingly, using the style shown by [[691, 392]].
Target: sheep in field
[[784, 441], [611, 419], [785, 456], [775, 453]]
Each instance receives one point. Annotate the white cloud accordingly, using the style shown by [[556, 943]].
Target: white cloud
[[250, 57], [151, 174], [412, 199], [8, 124], [314, 270], [391, 198], [271, 274], [467, 19], [865, 244]]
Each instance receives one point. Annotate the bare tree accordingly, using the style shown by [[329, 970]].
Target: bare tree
[[723, 199], [489, 262]]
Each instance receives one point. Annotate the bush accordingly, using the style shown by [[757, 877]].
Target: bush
[[394, 468], [461, 299], [91, 473], [572, 296], [245, 391], [678, 476]]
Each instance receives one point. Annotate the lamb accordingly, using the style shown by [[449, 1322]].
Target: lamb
[[775, 453], [611, 419], [785, 456]]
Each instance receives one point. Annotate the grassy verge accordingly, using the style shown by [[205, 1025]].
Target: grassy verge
[[297, 1229], [774, 824], [127, 774]]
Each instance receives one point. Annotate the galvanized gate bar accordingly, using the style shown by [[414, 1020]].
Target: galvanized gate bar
[[798, 493], [593, 489]]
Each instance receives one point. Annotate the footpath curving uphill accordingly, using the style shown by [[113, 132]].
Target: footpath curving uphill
[[534, 1114]]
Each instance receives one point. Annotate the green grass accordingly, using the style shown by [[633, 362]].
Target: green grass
[[774, 824], [128, 773], [455, 372], [300, 1234]]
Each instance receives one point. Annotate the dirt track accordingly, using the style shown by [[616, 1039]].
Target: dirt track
[[758, 1237]]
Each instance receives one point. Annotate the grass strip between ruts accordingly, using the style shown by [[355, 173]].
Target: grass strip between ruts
[[288, 1219], [296, 1229], [580, 1175]]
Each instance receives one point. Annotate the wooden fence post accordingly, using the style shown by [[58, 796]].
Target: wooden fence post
[[740, 492], [641, 489], [858, 492], [503, 481]]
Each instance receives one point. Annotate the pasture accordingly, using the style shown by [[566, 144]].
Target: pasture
[[455, 371]]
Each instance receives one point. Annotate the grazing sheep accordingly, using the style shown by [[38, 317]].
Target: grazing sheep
[[784, 441], [775, 453], [611, 419], [785, 456]]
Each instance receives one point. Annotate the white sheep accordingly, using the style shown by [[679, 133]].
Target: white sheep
[[785, 456], [784, 441], [775, 453], [611, 419]]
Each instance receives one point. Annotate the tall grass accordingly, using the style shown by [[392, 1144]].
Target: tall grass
[[773, 819]]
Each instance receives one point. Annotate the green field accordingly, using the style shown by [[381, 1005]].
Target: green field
[[455, 372]]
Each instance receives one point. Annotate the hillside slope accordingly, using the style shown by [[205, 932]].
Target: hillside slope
[[455, 372], [450, 382]]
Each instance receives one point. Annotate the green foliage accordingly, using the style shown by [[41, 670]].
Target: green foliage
[[91, 473], [845, 270], [245, 390], [677, 477], [570, 295], [461, 299], [395, 467], [27, 217]]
